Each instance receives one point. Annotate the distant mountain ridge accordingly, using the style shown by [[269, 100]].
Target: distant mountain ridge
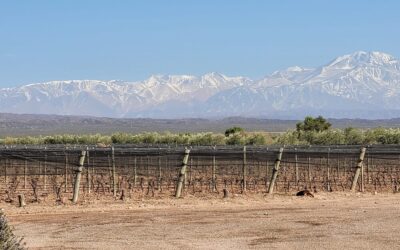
[[28, 124], [358, 85]]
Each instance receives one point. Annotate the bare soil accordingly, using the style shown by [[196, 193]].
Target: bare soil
[[328, 221]]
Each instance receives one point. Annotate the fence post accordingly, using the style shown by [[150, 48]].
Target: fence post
[[134, 172], [113, 172], [191, 171], [66, 171], [78, 177], [25, 172], [275, 171], [21, 200], [368, 159], [266, 174], [296, 167], [358, 169], [148, 167], [5, 171], [159, 172], [309, 170], [213, 172], [88, 180], [328, 171], [182, 173], [45, 168], [244, 170], [338, 166], [362, 176]]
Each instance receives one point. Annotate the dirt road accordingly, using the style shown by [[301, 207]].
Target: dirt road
[[329, 221]]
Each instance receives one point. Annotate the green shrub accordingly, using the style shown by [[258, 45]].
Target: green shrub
[[235, 139], [255, 139], [7, 238], [328, 137], [233, 130], [353, 136], [290, 137], [349, 136]]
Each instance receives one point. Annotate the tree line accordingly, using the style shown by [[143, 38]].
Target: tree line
[[311, 131]]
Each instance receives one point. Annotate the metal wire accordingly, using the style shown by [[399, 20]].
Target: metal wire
[[153, 169]]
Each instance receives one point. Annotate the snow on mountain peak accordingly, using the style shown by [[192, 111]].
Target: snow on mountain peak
[[374, 57], [295, 69], [353, 82], [362, 58]]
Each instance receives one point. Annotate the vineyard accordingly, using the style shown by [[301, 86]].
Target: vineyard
[[127, 171]]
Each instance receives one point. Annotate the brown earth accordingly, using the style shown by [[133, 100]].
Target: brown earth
[[328, 221]]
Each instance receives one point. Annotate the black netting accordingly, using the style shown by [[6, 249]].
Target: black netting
[[210, 169]]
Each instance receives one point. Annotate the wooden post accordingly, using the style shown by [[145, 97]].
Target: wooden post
[[66, 172], [113, 172], [134, 172], [89, 186], [309, 170], [214, 179], [358, 169], [373, 167], [182, 173], [21, 200], [148, 167], [40, 171], [168, 172], [78, 177], [110, 170], [159, 173], [93, 172], [338, 166], [296, 167], [244, 170], [191, 170], [45, 168], [185, 180], [368, 159], [226, 193], [362, 177], [25, 173], [5, 171], [275, 171], [328, 171]]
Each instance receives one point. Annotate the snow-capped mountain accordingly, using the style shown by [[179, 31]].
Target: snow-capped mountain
[[362, 84]]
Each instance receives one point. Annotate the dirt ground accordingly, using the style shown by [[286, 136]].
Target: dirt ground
[[328, 221]]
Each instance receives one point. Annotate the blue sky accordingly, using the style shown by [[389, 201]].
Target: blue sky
[[131, 40]]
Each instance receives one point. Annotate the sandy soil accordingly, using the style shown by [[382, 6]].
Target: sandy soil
[[330, 221]]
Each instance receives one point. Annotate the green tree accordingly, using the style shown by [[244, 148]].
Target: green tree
[[233, 130], [317, 124]]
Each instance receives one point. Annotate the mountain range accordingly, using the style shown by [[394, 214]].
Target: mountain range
[[358, 85]]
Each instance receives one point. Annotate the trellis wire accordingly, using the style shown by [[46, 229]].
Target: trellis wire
[[153, 169]]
